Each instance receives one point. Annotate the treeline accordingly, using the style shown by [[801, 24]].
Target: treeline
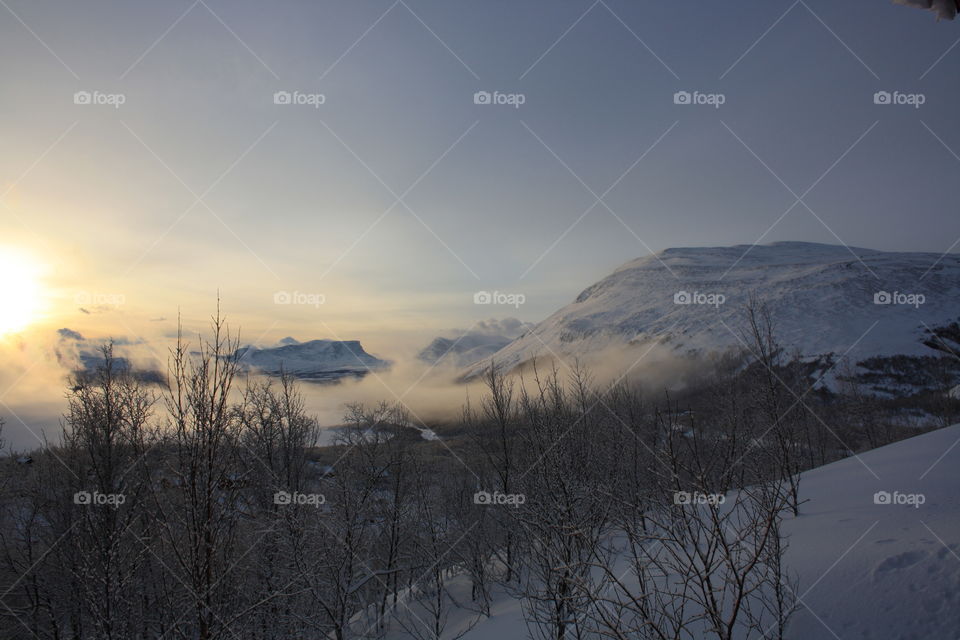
[[204, 512]]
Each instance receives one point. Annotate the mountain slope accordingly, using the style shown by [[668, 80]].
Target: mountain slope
[[822, 299]]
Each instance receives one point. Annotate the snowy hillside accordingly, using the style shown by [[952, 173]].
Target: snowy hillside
[[320, 360], [866, 569], [824, 299], [871, 570]]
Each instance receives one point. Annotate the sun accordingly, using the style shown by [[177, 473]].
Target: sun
[[20, 290]]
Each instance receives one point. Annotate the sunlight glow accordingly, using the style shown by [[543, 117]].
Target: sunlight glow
[[20, 290]]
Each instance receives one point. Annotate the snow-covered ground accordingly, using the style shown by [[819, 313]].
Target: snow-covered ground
[[881, 571], [867, 570], [823, 298]]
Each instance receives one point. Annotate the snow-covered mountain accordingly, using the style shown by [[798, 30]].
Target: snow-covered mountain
[[824, 299], [467, 346], [462, 351], [319, 360]]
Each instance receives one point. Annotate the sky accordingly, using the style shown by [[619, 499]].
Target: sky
[[288, 154]]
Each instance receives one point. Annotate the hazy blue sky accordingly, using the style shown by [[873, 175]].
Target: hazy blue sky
[[199, 181]]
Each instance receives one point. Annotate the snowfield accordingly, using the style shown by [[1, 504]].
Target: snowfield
[[866, 570], [825, 299], [881, 571]]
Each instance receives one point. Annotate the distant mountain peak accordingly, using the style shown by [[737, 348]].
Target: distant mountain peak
[[319, 360], [466, 347]]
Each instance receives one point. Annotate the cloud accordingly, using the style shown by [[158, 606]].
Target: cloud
[[82, 355], [70, 334], [507, 327]]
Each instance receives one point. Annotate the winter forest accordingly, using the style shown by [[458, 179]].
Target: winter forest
[[205, 510]]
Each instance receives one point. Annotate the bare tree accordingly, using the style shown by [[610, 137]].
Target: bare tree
[[275, 435], [565, 511], [781, 404], [105, 438], [496, 437], [198, 514]]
